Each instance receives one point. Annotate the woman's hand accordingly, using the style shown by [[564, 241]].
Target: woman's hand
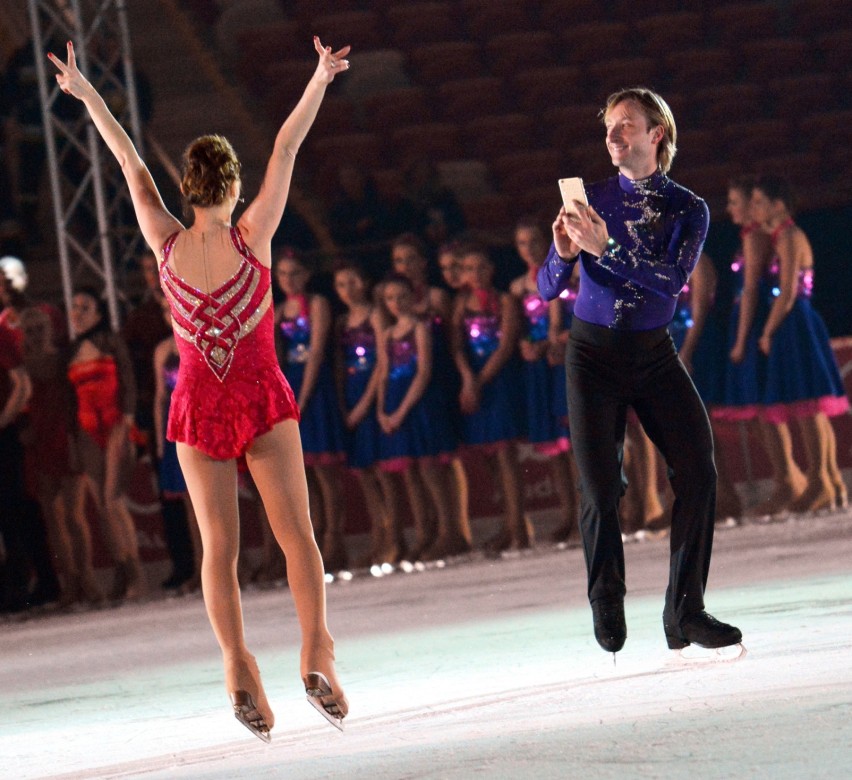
[[586, 229], [330, 64], [737, 354], [765, 344], [532, 350], [69, 78]]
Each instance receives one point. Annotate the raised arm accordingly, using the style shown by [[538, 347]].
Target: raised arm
[[155, 221], [260, 220]]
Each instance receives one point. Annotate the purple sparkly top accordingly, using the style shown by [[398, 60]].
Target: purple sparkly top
[[402, 356], [659, 228], [483, 336], [536, 316], [359, 348], [804, 280], [296, 334]]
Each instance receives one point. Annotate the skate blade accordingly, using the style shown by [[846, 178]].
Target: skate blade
[[694, 654]]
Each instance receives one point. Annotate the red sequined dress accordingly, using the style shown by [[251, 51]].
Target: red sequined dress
[[229, 388]]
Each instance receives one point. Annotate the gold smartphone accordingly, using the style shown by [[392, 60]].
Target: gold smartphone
[[572, 190]]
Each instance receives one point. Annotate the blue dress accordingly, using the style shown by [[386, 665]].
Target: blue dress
[[321, 426], [742, 393], [567, 298], [709, 359], [545, 426], [171, 476], [802, 378], [359, 359], [500, 414], [425, 431]]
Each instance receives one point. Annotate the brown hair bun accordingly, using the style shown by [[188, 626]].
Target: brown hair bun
[[210, 166]]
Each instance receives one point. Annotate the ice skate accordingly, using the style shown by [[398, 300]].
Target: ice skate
[[723, 641], [610, 625], [245, 711], [321, 697]]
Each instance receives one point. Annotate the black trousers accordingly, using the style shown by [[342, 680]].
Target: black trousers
[[607, 371]]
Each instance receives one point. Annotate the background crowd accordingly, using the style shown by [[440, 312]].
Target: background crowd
[[400, 368]]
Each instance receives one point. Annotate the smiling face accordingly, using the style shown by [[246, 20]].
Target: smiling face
[[738, 206], [397, 299], [631, 143], [350, 287], [84, 312], [478, 272], [292, 276]]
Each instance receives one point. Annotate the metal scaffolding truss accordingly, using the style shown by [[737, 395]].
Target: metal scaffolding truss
[[95, 228]]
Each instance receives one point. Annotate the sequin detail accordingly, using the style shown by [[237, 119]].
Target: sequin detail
[[215, 322]]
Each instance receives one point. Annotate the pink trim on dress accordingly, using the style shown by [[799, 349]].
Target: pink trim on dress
[[829, 405], [736, 413]]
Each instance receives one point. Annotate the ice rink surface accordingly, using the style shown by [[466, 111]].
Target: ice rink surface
[[480, 669]]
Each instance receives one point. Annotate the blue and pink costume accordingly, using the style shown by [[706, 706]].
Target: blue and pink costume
[[358, 344]]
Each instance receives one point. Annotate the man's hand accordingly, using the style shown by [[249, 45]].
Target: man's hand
[[586, 229], [565, 248]]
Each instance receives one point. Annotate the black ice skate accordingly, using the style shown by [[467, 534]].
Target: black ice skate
[[610, 626], [703, 630]]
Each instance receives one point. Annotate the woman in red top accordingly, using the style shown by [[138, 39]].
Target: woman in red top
[[231, 398]]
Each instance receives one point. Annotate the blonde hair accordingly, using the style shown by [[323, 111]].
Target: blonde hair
[[657, 112], [210, 167]]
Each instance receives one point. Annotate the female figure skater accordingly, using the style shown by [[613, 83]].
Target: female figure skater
[[802, 378], [304, 323], [486, 325], [745, 374], [358, 332], [415, 427], [408, 255], [546, 420], [231, 398], [100, 370]]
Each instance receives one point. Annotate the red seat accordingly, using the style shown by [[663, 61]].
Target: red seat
[[709, 182], [815, 17], [435, 141], [561, 14], [801, 169], [460, 100], [827, 129], [395, 108], [568, 126], [793, 98], [285, 82], [513, 52], [537, 88], [337, 114], [521, 171], [590, 161], [417, 23], [585, 41], [742, 22], [360, 29], [615, 74], [669, 32], [720, 105], [695, 69], [750, 140], [634, 10], [273, 42], [436, 63], [491, 136], [362, 149], [836, 49], [776, 57], [486, 18], [696, 147], [541, 203]]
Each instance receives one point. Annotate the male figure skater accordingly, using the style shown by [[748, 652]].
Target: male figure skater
[[637, 243]]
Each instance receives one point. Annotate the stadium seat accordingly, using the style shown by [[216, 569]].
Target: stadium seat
[[386, 111], [462, 99], [614, 74], [670, 32], [538, 88], [718, 106], [510, 53], [585, 41], [740, 23], [360, 29], [418, 23], [436, 63], [487, 18], [568, 125], [491, 136], [751, 140], [696, 69], [558, 15], [799, 96], [436, 141]]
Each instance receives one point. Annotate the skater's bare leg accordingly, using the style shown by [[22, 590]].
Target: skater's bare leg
[[212, 486], [275, 462]]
